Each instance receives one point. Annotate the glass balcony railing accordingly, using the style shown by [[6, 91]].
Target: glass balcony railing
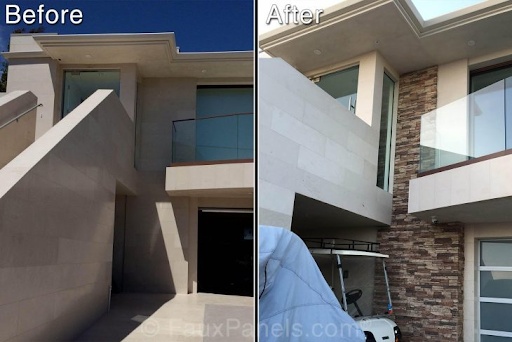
[[475, 126], [218, 138]]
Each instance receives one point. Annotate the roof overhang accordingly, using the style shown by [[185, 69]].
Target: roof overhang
[[155, 54], [395, 29]]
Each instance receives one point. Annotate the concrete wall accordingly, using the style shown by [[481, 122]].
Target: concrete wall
[[309, 144], [19, 134], [57, 201]]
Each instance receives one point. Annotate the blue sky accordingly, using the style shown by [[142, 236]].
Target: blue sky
[[433, 8], [199, 25]]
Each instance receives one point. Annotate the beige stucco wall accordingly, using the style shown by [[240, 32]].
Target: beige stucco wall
[[452, 82], [19, 134], [473, 233], [57, 201]]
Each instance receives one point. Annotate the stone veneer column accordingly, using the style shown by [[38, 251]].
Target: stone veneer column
[[426, 261]]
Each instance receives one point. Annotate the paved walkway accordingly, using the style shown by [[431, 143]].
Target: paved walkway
[[190, 318]]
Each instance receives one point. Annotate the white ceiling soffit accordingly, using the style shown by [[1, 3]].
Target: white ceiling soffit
[[394, 29], [155, 54]]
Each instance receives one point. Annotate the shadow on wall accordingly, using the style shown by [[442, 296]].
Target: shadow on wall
[[146, 262]]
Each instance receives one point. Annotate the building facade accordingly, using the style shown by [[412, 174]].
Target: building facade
[[129, 188], [378, 125]]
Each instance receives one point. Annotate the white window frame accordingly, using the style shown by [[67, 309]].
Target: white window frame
[[480, 268]]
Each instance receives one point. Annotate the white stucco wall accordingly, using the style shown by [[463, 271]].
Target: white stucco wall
[[309, 144]]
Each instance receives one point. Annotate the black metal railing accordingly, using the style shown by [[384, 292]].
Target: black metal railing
[[345, 244]]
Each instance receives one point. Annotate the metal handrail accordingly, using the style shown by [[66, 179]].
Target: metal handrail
[[337, 243], [213, 117], [19, 116]]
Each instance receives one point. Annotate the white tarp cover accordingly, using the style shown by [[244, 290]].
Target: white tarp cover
[[296, 303]]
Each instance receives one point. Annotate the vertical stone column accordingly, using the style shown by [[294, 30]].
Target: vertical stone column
[[426, 261]]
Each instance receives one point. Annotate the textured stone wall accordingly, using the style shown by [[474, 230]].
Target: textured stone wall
[[426, 261]]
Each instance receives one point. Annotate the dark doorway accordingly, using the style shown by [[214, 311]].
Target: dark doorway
[[225, 252]]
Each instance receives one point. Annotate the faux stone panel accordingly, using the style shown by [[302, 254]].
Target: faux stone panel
[[426, 261]]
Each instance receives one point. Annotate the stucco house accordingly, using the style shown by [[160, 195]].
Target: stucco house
[[378, 125], [132, 163]]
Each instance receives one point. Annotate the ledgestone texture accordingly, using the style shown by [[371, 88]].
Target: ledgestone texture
[[426, 261]]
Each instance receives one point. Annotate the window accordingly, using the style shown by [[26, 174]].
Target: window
[[79, 85], [490, 123], [495, 295], [342, 85], [386, 124], [222, 129], [223, 100]]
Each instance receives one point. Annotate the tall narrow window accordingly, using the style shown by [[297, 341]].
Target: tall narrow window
[[495, 270], [342, 85], [79, 85], [386, 124]]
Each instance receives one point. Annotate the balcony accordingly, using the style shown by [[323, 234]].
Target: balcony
[[213, 139], [466, 159], [212, 157], [477, 126]]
